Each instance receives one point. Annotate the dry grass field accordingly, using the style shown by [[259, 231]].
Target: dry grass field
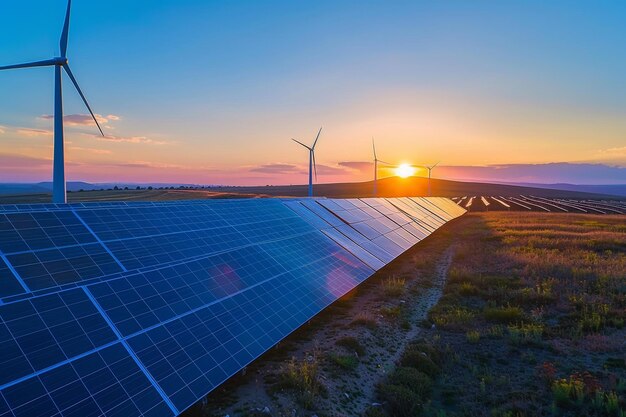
[[529, 322]]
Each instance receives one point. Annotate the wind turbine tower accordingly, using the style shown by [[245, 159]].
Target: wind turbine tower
[[376, 161], [312, 164], [59, 63], [430, 169]]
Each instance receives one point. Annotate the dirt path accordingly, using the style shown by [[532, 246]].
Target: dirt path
[[347, 391]]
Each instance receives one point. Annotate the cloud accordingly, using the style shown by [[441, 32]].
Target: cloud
[[25, 131], [127, 139], [23, 162], [82, 119], [358, 165], [330, 170], [610, 153], [91, 150], [2, 129], [277, 168]]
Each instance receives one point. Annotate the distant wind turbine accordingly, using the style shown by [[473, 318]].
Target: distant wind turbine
[[430, 169], [312, 164], [376, 161], [58, 171]]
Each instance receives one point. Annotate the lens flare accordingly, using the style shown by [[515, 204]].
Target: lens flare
[[405, 171]]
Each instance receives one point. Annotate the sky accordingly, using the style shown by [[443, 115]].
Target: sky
[[211, 92]]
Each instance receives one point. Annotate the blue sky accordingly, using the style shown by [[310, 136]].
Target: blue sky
[[213, 91]]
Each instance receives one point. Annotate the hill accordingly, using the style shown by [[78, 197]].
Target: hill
[[415, 186]]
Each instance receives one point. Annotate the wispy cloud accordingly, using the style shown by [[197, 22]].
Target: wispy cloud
[[277, 168], [127, 139], [82, 119], [91, 150], [25, 131], [358, 165], [2, 129]]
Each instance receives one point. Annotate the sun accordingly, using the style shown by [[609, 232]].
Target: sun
[[405, 171]]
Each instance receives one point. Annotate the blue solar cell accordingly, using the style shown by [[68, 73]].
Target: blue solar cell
[[21, 232], [155, 250], [193, 354], [66, 265], [106, 382], [9, 285], [116, 223], [140, 301], [44, 331]]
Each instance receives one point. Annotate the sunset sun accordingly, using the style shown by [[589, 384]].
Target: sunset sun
[[405, 171]]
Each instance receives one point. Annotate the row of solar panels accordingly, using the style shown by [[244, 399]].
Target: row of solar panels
[[144, 308]]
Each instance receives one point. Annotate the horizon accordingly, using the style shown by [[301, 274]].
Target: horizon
[[537, 100]]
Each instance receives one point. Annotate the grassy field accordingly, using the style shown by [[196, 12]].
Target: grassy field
[[527, 319], [531, 323]]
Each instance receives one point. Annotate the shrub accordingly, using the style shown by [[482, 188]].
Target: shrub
[[451, 316], [467, 288], [506, 314], [349, 362], [411, 378], [421, 362], [473, 336], [303, 377], [400, 401], [393, 286], [525, 333], [391, 312], [364, 319], [352, 344]]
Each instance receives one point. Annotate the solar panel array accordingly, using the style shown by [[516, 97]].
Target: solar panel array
[[141, 309]]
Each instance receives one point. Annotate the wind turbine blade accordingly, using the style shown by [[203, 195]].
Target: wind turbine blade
[[435, 165], [66, 28], [314, 164], [374, 148], [69, 73], [386, 163], [316, 138], [297, 141], [46, 63]]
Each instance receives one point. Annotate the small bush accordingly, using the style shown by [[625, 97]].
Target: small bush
[[303, 377], [421, 362], [352, 344], [525, 333], [393, 286], [411, 378], [473, 336], [452, 317], [364, 319], [391, 312], [507, 314], [400, 401], [349, 362]]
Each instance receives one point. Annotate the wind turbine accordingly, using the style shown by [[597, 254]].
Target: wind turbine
[[312, 164], [59, 63], [430, 169], [376, 161]]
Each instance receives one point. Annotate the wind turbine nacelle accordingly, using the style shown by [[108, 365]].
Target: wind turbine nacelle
[[60, 61]]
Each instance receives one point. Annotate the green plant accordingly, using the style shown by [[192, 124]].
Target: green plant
[[364, 319], [303, 377], [400, 401], [508, 314], [393, 286], [420, 361], [352, 344], [473, 336], [411, 378], [520, 334], [391, 312], [349, 362]]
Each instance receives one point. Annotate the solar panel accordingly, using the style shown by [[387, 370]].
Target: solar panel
[[143, 308]]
